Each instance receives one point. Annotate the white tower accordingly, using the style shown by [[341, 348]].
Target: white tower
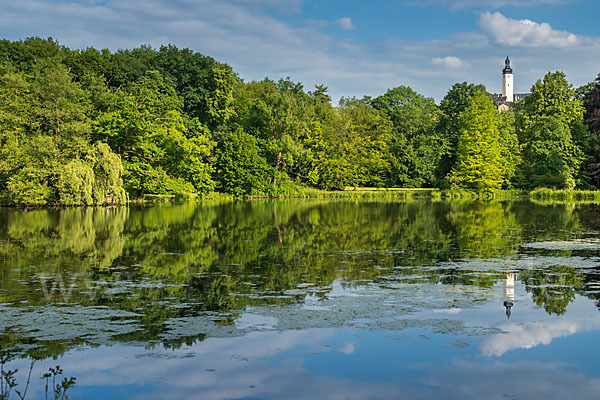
[[507, 82]]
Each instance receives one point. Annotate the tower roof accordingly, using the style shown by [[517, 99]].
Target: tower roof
[[507, 69]]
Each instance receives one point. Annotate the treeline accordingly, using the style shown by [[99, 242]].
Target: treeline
[[83, 127]]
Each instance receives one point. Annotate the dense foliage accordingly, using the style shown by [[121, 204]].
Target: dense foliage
[[479, 162], [86, 127]]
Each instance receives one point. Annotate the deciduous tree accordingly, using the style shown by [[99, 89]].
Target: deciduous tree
[[415, 146], [479, 159], [550, 158]]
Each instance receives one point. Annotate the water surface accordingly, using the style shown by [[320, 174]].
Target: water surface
[[305, 299]]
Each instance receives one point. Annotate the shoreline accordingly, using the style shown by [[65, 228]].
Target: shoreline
[[540, 195]]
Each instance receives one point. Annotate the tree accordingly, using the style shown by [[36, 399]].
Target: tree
[[241, 170], [61, 108], [591, 102], [24, 54], [479, 162], [146, 128], [15, 120], [205, 85], [108, 176], [415, 146], [552, 96], [46, 152], [588, 176], [550, 158], [36, 170], [349, 148], [452, 105], [320, 94], [278, 114], [586, 134], [510, 148]]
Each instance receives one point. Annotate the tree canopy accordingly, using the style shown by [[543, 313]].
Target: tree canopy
[[83, 127], [479, 158]]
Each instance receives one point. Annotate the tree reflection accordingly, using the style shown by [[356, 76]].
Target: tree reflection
[[553, 288], [174, 261]]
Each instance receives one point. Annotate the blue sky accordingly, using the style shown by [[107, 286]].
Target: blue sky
[[355, 47]]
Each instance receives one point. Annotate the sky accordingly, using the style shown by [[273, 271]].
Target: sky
[[355, 47]]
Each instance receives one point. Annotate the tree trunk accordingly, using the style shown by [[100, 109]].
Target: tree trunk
[[277, 163]]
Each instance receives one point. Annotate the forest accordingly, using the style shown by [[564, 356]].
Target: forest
[[95, 127]]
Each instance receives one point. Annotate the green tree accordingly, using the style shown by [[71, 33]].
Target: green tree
[[44, 140], [61, 108], [586, 134], [241, 170], [15, 120], [588, 176], [510, 148], [205, 85], [36, 171], [108, 176], [146, 128], [278, 114], [320, 94], [547, 116], [550, 159], [415, 146], [24, 54], [591, 102], [479, 161], [552, 96], [452, 105], [350, 147]]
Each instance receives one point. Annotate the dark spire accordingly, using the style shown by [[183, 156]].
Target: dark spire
[[508, 305], [507, 69]]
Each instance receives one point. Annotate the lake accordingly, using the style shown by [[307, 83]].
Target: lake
[[304, 299]]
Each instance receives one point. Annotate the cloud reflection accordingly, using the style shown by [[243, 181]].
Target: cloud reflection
[[527, 336], [275, 365], [217, 369], [521, 380]]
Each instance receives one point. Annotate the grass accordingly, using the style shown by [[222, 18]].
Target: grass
[[380, 193], [545, 195], [540, 195]]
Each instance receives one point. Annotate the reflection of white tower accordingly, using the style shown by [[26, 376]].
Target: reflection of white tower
[[507, 82], [509, 286]]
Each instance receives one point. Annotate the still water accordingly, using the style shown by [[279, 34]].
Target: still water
[[305, 299]]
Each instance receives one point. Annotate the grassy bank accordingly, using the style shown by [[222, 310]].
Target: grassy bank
[[542, 195], [384, 193], [539, 195], [565, 196], [349, 193]]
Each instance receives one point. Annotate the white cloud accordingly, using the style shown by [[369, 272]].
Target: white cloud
[[524, 33], [259, 44], [449, 62], [345, 23]]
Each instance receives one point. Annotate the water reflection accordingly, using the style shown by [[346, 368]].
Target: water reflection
[[509, 293], [509, 286], [301, 363], [174, 275]]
